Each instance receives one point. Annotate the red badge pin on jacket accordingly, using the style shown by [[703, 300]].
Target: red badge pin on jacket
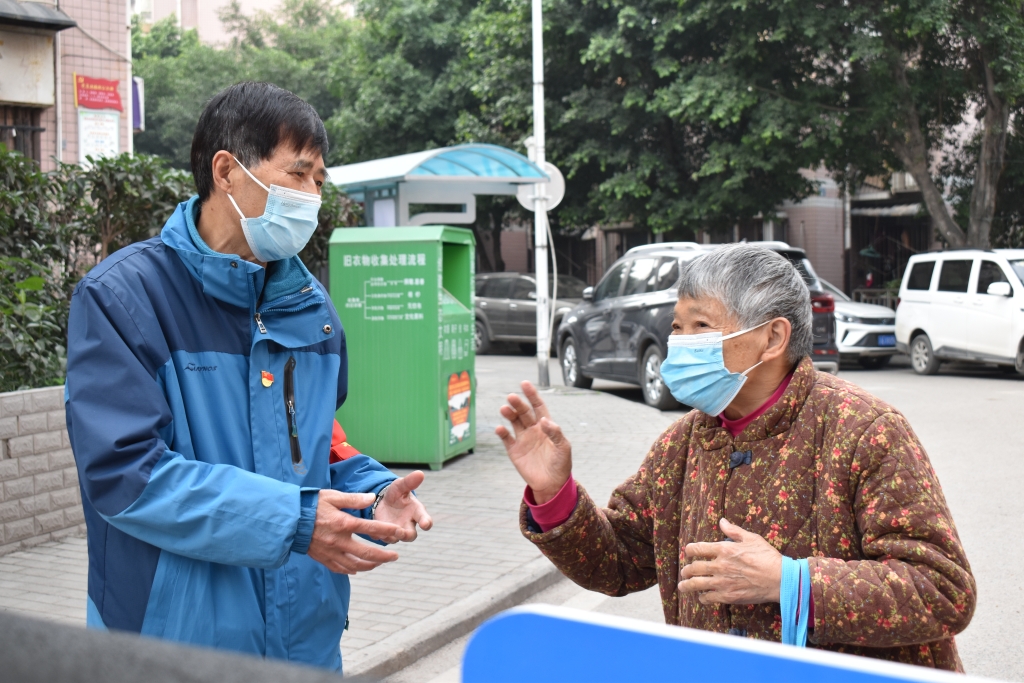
[[267, 378]]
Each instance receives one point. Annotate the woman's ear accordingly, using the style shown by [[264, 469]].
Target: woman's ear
[[779, 332]]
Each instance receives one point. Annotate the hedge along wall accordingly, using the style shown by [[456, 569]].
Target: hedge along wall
[[39, 499]]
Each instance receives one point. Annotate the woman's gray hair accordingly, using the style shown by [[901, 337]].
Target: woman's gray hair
[[754, 284]]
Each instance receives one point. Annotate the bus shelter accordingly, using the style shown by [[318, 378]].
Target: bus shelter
[[437, 186]]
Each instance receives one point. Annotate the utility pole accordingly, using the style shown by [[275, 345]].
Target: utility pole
[[540, 223]]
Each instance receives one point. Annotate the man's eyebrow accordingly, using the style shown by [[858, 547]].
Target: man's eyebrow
[[302, 164]]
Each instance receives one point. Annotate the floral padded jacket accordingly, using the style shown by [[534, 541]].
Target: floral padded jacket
[[837, 476]]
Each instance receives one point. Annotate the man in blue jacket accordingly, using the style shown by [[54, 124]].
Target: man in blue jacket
[[204, 369]]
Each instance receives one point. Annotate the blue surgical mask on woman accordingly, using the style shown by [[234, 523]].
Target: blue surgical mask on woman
[[286, 225], [695, 371]]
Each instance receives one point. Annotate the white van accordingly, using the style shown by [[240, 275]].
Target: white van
[[965, 305]]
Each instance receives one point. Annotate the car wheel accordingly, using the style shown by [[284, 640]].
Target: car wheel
[[922, 357], [874, 362], [483, 341], [1020, 359], [569, 359], [656, 394]]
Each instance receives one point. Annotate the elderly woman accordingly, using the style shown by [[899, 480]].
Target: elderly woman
[[789, 505]]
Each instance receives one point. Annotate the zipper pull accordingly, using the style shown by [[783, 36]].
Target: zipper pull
[[295, 423], [259, 324]]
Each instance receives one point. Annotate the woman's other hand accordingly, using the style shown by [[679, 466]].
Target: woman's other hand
[[744, 571], [540, 452]]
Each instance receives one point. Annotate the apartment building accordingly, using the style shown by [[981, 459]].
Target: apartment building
[[203, 15], [66, 79]]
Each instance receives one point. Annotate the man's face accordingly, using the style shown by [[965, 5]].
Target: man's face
[[297, 170]]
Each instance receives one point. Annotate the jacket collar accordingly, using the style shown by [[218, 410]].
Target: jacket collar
[[228, 277], [776, 420]]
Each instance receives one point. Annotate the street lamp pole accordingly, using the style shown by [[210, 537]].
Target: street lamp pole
[[540, 226]]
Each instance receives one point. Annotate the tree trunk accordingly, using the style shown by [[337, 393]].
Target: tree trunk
[[497, 217], [989, 165], [481, 251], [105, 238], [912, 150]]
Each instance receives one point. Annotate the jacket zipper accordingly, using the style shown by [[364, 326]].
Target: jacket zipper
[[289, 404], [259, 324]]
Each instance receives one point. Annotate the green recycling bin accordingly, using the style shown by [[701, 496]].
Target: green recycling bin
[[405, 298]]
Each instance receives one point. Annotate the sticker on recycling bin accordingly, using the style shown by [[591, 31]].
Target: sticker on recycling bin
[[460, 393]]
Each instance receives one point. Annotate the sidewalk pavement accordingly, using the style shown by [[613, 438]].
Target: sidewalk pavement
[[472, 564], [47, 582]]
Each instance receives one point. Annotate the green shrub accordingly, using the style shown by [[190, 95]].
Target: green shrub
[[336, 211], [54, 227], [33, 321]]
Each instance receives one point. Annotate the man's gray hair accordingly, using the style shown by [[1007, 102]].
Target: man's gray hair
[[755, 285]]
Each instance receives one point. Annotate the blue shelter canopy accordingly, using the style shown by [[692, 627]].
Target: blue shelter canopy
[[447, 175]]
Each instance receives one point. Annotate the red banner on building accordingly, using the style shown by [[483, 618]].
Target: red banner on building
[[96, 93]]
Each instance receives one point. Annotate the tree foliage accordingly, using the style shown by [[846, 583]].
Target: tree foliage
[[33, 327], [131, 198], [870, 87], [336, 211], [53, 228], [665, 114], [182, 74]]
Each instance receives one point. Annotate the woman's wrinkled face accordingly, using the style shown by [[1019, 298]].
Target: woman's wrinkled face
[[700, 316]]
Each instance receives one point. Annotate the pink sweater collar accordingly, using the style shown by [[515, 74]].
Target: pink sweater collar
[[739, 424]]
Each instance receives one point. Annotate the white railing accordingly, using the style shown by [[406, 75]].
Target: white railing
[[881, 297]]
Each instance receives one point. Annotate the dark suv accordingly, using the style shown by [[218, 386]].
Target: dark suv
[[619, 330]]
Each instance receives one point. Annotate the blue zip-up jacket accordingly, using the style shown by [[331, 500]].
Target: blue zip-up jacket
[[198, 471]]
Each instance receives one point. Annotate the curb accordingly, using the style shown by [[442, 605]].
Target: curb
[[401, 649]]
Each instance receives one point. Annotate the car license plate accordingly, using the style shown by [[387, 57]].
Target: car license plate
[[887, 340]]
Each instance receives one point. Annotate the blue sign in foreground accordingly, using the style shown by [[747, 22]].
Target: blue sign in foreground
[[544, 644]]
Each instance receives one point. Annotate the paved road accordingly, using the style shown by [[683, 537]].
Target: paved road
[[474, 546], [968, 420], [970, 423], [443, 666]]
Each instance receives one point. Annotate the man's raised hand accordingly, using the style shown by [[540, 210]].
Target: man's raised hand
[[334, 544], [540, 452]]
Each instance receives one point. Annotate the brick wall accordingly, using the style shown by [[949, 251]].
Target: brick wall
[[39, 495]]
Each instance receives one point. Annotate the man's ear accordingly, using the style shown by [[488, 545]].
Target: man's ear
[[222, 165], [779, 332]]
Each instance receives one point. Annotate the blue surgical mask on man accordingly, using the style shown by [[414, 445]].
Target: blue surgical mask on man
[[695, 371], [286, 225]]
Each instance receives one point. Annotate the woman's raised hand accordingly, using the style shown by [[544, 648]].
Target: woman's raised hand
[[540, 452]]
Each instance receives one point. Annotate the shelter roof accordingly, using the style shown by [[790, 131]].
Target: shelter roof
[[472, 162]]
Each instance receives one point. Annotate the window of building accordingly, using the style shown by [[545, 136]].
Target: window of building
[[19, 130]]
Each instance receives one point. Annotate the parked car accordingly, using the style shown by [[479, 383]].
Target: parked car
[[964, 305], [506, 306], [620, 329], [865, 333]]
